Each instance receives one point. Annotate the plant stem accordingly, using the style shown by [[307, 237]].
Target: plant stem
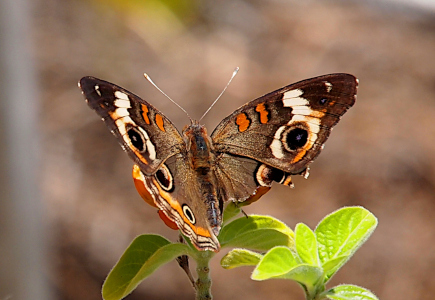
[[203, 283]]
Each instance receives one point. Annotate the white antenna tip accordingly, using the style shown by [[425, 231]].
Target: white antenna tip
[[147, 77], [232, 76]]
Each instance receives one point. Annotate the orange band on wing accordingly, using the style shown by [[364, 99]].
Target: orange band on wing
[[175, 205], [259, 192], [145, 113], [243, 122], [159, 122], [138, 154], [288, 181], [299, 156], [168, 222], [261, 108], [138, 179], [201, 231]]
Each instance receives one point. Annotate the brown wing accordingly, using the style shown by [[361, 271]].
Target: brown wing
[[240, 177], [144, 133], [287, 128], [177, 191]]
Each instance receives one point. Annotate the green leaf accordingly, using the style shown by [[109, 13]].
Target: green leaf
[[144, 255], [341, 233], [277, 262], [306, 244], [307, 275], [280, 263], [331, 266], [239, 258], [230, 211], [349, 292], [256, 232]]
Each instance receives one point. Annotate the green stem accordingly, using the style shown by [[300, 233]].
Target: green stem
[[314, 292], [203, 283]]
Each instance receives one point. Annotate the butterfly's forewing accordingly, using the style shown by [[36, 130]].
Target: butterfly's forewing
[[151, 140], [144, 133], [286, 129]]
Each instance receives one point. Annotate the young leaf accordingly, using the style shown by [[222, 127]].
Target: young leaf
[[307, 275], [332, 266], [306, 244], [278, 261], [144, 255], [239, 258], [341, 233], [349, 292], [256, 232]]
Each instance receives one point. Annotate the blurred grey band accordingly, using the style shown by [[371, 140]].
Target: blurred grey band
[[23, 269]]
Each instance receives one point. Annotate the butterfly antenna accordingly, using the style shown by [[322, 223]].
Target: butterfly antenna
[[234, 74], [179, 106]]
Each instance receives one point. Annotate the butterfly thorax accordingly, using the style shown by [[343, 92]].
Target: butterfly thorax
[[200, 156], [199, 147]]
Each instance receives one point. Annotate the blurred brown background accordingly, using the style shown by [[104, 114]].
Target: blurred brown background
[[380, 156]]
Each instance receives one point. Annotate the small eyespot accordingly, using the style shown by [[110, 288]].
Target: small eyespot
[[164, 178], [188, 213], [266, 174], [136, 139], [296, 138], [323, 101]]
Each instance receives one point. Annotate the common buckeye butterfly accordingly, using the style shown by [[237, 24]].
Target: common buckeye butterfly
[[189, 176]]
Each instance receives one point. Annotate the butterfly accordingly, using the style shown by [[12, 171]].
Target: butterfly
[[190, 175]]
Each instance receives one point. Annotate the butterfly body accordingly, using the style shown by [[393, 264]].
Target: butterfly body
[[201, 158], [190, 176]]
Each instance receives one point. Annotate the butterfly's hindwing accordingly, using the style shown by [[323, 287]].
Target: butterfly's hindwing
[[174, 188], [239, 177]]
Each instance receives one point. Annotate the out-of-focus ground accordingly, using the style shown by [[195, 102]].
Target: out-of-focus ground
[[380, 156]]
